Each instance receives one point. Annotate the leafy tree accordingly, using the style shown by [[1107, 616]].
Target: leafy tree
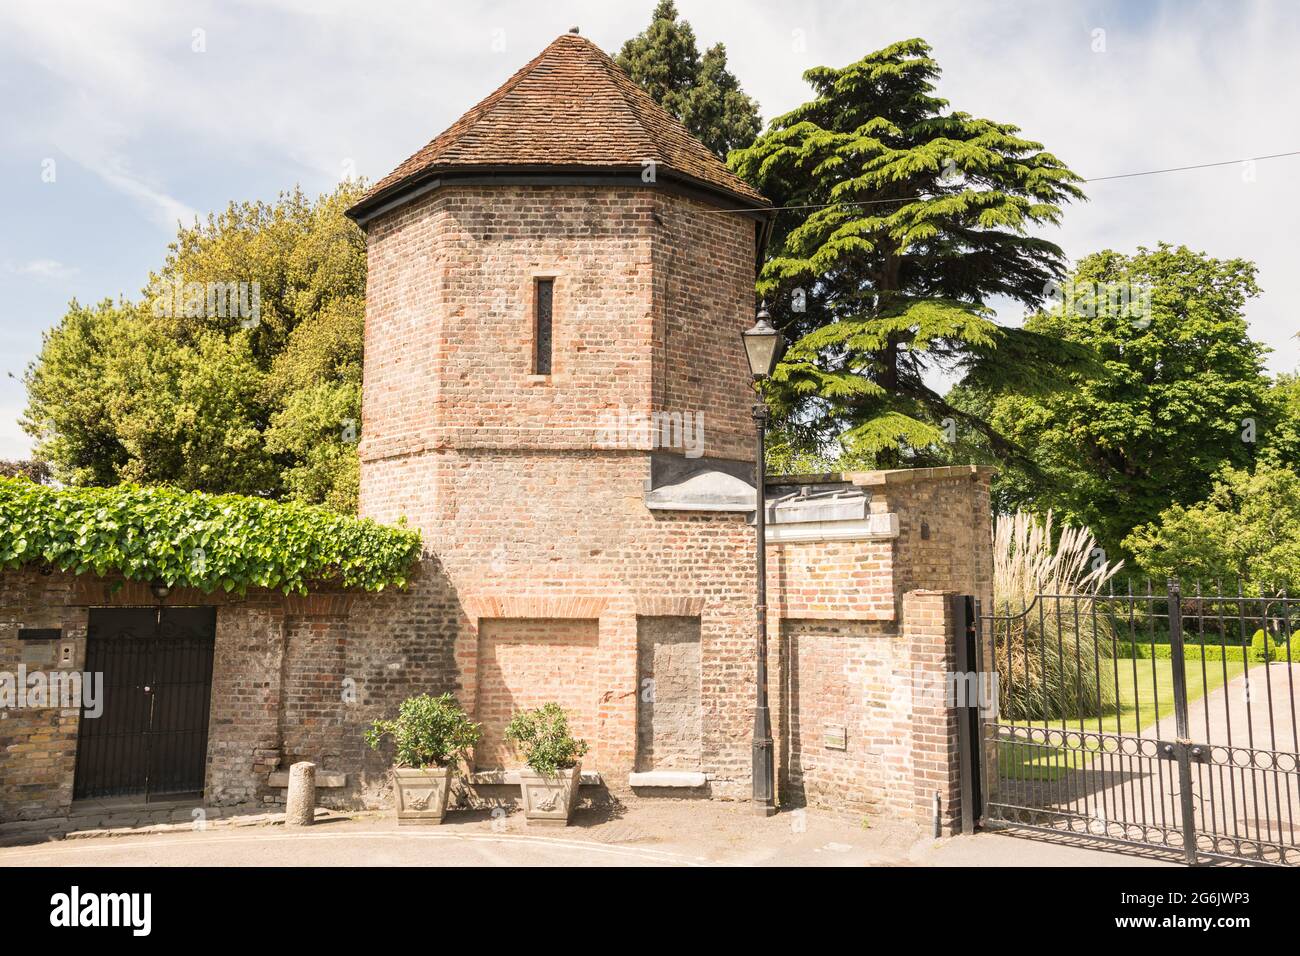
[[1178, 391], [906, 218], [1247, 529], [210, 385], [187, 414], [1279, 443], [37, 471], [698, 90], [68, 407]]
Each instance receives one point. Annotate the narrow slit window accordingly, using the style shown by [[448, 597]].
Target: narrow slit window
[[545, 293]]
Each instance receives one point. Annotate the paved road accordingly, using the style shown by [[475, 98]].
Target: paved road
[[1254, 710], [1246, 799], [684, 835], [1249, 787], [273, 846]]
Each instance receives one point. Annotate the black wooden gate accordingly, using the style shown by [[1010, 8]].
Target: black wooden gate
[[151, 739], [1160, 719]]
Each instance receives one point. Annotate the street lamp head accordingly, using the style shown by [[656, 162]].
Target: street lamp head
[[764, 345]]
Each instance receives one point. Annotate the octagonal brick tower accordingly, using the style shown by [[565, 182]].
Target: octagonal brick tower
[[556, 396]]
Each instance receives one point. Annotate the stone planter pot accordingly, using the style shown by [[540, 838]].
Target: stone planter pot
[[549, 799], [421, 795]]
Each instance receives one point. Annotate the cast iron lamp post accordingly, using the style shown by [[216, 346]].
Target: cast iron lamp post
[[764, 346]]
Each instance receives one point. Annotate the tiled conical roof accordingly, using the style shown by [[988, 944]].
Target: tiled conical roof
[[570, 107]]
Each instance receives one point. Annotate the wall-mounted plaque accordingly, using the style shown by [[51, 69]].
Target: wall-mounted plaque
[[836, 738], [39, 633], [37, 652]]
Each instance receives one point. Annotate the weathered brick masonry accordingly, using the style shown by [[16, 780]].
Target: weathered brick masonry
[[283, 668], [576, 551], [301, 678]]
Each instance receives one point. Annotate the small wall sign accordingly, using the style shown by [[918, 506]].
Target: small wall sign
[[41, 652], [836, 738], [39, 633]]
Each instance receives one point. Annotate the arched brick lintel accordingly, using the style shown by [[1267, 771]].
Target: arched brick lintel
[[534, 607]]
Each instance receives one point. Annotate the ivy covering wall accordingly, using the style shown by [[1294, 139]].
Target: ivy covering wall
[[210, 542]]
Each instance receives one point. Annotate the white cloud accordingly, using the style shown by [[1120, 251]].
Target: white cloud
[[106, 89], [163, 209], [49, 269]]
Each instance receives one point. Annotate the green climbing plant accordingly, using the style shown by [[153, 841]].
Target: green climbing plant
[[209, 542]]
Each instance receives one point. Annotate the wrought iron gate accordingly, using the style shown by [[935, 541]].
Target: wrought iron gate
[[156, 673], [1159, 719]]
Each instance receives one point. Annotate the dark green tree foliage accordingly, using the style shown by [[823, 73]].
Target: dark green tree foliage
[[698, 90], [1177, 393], [908, 218]]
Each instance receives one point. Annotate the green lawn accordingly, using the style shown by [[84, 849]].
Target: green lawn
[[1140, 706]]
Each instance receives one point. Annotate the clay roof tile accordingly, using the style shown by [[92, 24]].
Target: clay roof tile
[[571, 106]]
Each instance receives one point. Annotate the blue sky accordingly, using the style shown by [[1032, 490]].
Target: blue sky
[[143, 128]]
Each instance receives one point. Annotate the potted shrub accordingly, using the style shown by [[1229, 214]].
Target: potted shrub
[[431, 734], [549, 783]]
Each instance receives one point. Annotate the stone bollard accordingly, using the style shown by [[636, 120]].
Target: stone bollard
[[300, 808]]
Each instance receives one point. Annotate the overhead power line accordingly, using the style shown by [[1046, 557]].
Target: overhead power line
[[1094, 179], [1179, 169]]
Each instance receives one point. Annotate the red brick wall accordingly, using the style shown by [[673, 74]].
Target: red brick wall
[[841, 675], [579, 561], [524, 663], [245, 719], [833, 580], [37, 746], [883, 687], [281, 666], [521, 526], [314, 669], [944, 527], [704, 285], [651, 293], [935, 756]]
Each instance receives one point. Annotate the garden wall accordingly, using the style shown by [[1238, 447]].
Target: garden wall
[[586, 615], [293, 678]]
